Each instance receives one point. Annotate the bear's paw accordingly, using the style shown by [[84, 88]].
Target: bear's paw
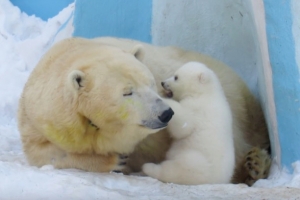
[[257, 164]]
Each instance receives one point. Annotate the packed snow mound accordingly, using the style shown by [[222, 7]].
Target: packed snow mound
[[24, 39]]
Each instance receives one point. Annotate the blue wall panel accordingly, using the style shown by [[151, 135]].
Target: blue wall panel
[[42, 8], [120, 18], [285, 77]]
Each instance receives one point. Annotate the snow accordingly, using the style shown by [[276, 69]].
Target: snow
[[24, 39]]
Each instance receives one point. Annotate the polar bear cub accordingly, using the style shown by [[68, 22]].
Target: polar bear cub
[[203, 148]]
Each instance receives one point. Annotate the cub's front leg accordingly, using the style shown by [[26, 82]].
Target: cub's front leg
[[179, 126]]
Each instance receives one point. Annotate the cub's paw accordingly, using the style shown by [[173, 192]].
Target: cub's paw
[[148, 168], [152, 170], [257, 164], [121, 164]]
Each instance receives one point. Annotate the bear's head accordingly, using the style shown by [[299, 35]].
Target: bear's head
[[191, 79], [116, 94]]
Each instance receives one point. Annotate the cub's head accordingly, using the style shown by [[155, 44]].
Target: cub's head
[[116, 93], [191, 79]]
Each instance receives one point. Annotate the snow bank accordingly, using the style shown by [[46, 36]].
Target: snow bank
[[24, 39]]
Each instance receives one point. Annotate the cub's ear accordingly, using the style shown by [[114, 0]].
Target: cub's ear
[[76, 79], [138, 51], [203, 77]]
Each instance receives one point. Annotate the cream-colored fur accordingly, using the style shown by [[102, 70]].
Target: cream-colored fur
[[249, 127], [202, 151], [84, 104]]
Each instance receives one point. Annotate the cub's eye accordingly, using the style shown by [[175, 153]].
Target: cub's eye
[[175, 78], [127, 94]]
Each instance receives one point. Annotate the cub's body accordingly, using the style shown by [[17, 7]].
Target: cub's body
[[202, 150]]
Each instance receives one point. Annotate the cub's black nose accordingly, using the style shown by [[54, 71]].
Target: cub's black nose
[[163, 84], [166, 116]]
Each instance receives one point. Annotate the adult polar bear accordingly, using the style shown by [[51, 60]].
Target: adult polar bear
[[79, 110], [248, 122]]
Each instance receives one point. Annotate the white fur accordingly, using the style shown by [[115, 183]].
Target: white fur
[[203, 149]]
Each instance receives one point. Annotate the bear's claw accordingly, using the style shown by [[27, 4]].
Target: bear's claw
[[257, 164], [121, 164], [122, 156], [117, 171], [123, 159]]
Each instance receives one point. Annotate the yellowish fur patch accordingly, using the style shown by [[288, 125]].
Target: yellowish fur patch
[[71, 138], [123, 111]]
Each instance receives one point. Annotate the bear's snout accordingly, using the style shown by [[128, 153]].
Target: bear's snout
[[166, 116]]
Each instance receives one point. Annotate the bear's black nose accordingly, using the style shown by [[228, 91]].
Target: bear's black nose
[[163, 84], [166, 116]]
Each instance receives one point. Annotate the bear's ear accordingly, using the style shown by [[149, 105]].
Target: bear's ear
[[76, 79], [138, 52]]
